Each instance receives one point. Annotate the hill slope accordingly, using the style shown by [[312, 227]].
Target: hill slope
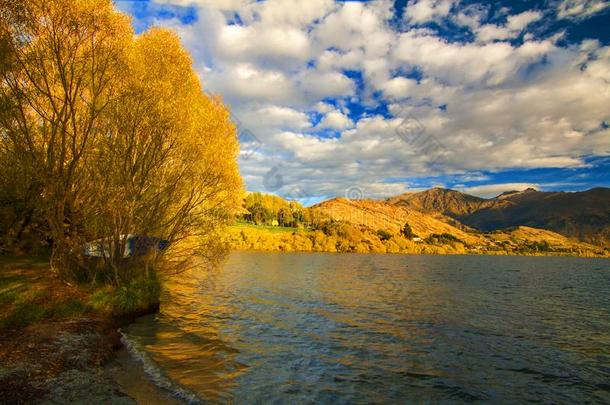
[[583, 215], [391, 217], [441, 200], [342, 225]]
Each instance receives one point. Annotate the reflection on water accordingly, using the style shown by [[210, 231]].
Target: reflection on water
[[345, 328]]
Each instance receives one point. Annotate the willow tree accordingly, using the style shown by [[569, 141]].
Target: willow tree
[[169, 166], [113, 131]]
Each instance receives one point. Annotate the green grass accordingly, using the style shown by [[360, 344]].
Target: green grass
[[27, 312], [28, 294], [8, 297], [133, 297], [266, 228], [24, 314], [10, 281], [10, 262], [68, 309], [34, 306]]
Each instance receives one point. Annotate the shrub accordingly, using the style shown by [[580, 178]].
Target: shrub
[[407, 232], [136, 296], [24, 314], [383, 235], [443, 238]]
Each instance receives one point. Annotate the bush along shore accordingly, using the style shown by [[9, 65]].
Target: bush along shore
[[344, 237], [56, 337]]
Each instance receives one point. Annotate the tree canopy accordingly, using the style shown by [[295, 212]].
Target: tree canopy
[[108, 134]]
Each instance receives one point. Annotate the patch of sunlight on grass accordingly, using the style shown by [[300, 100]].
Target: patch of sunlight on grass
[[266, 228]]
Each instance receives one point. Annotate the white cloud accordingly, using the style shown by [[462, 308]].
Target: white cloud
[[487, 105], [335, 120], [323, 107], [421, 11], [518, 22], [493, 190], [248, 82], [325, 84], [243, 42], [355, 25], [468, 63], [399, 87], [293, 13], [581, 9], [281, 117], [514, 26], [228, 5]]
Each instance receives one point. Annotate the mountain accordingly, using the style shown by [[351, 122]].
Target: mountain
[[392, 217], [525, 237], [584, 215], [441, 200], [392, 214], [441, 221]]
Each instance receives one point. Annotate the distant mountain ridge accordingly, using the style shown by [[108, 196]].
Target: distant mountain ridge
[[437, 212], [438, 221], [583, 215], [441, 200], [379, 214]]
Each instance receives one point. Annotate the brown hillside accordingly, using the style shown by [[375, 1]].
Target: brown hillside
[[391, 217], [525, 235], [584, 215], [441, 200]]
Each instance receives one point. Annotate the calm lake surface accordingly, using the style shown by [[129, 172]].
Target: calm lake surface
[[349, 328]]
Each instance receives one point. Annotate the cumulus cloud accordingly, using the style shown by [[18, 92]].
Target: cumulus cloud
[[335, 120], [421, 11], [275, 117], [515, 24], [399, 87], [402, 102], [581, 9], [468, 63], [493, 190], [243, 42], [215, 4]]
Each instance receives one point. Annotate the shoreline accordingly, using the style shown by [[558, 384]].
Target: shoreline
[[60, 342], [80, 359], [488, 253], [521, 241], [131, 377]]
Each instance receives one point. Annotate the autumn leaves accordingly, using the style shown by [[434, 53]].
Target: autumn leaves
[[106, 134]]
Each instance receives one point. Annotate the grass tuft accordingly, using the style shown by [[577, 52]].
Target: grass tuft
[[24, 314], [134, 297], [68, 309], [8, 297]]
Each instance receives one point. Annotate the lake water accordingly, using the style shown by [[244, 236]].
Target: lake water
[[348, 328]]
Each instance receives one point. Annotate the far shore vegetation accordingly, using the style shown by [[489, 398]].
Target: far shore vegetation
[[270, 223]]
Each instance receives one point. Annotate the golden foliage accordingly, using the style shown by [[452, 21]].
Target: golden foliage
[[112, 132], [354, 239]]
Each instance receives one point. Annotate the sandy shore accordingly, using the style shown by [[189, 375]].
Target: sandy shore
[[75, 361]]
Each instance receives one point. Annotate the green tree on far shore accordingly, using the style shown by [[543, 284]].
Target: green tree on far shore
[[407, 232]]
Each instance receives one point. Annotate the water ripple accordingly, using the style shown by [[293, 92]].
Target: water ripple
[[333, 328]]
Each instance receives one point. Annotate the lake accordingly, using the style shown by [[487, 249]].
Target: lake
[[351, 328]]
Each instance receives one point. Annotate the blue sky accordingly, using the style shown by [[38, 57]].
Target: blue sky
[[384, 97]]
